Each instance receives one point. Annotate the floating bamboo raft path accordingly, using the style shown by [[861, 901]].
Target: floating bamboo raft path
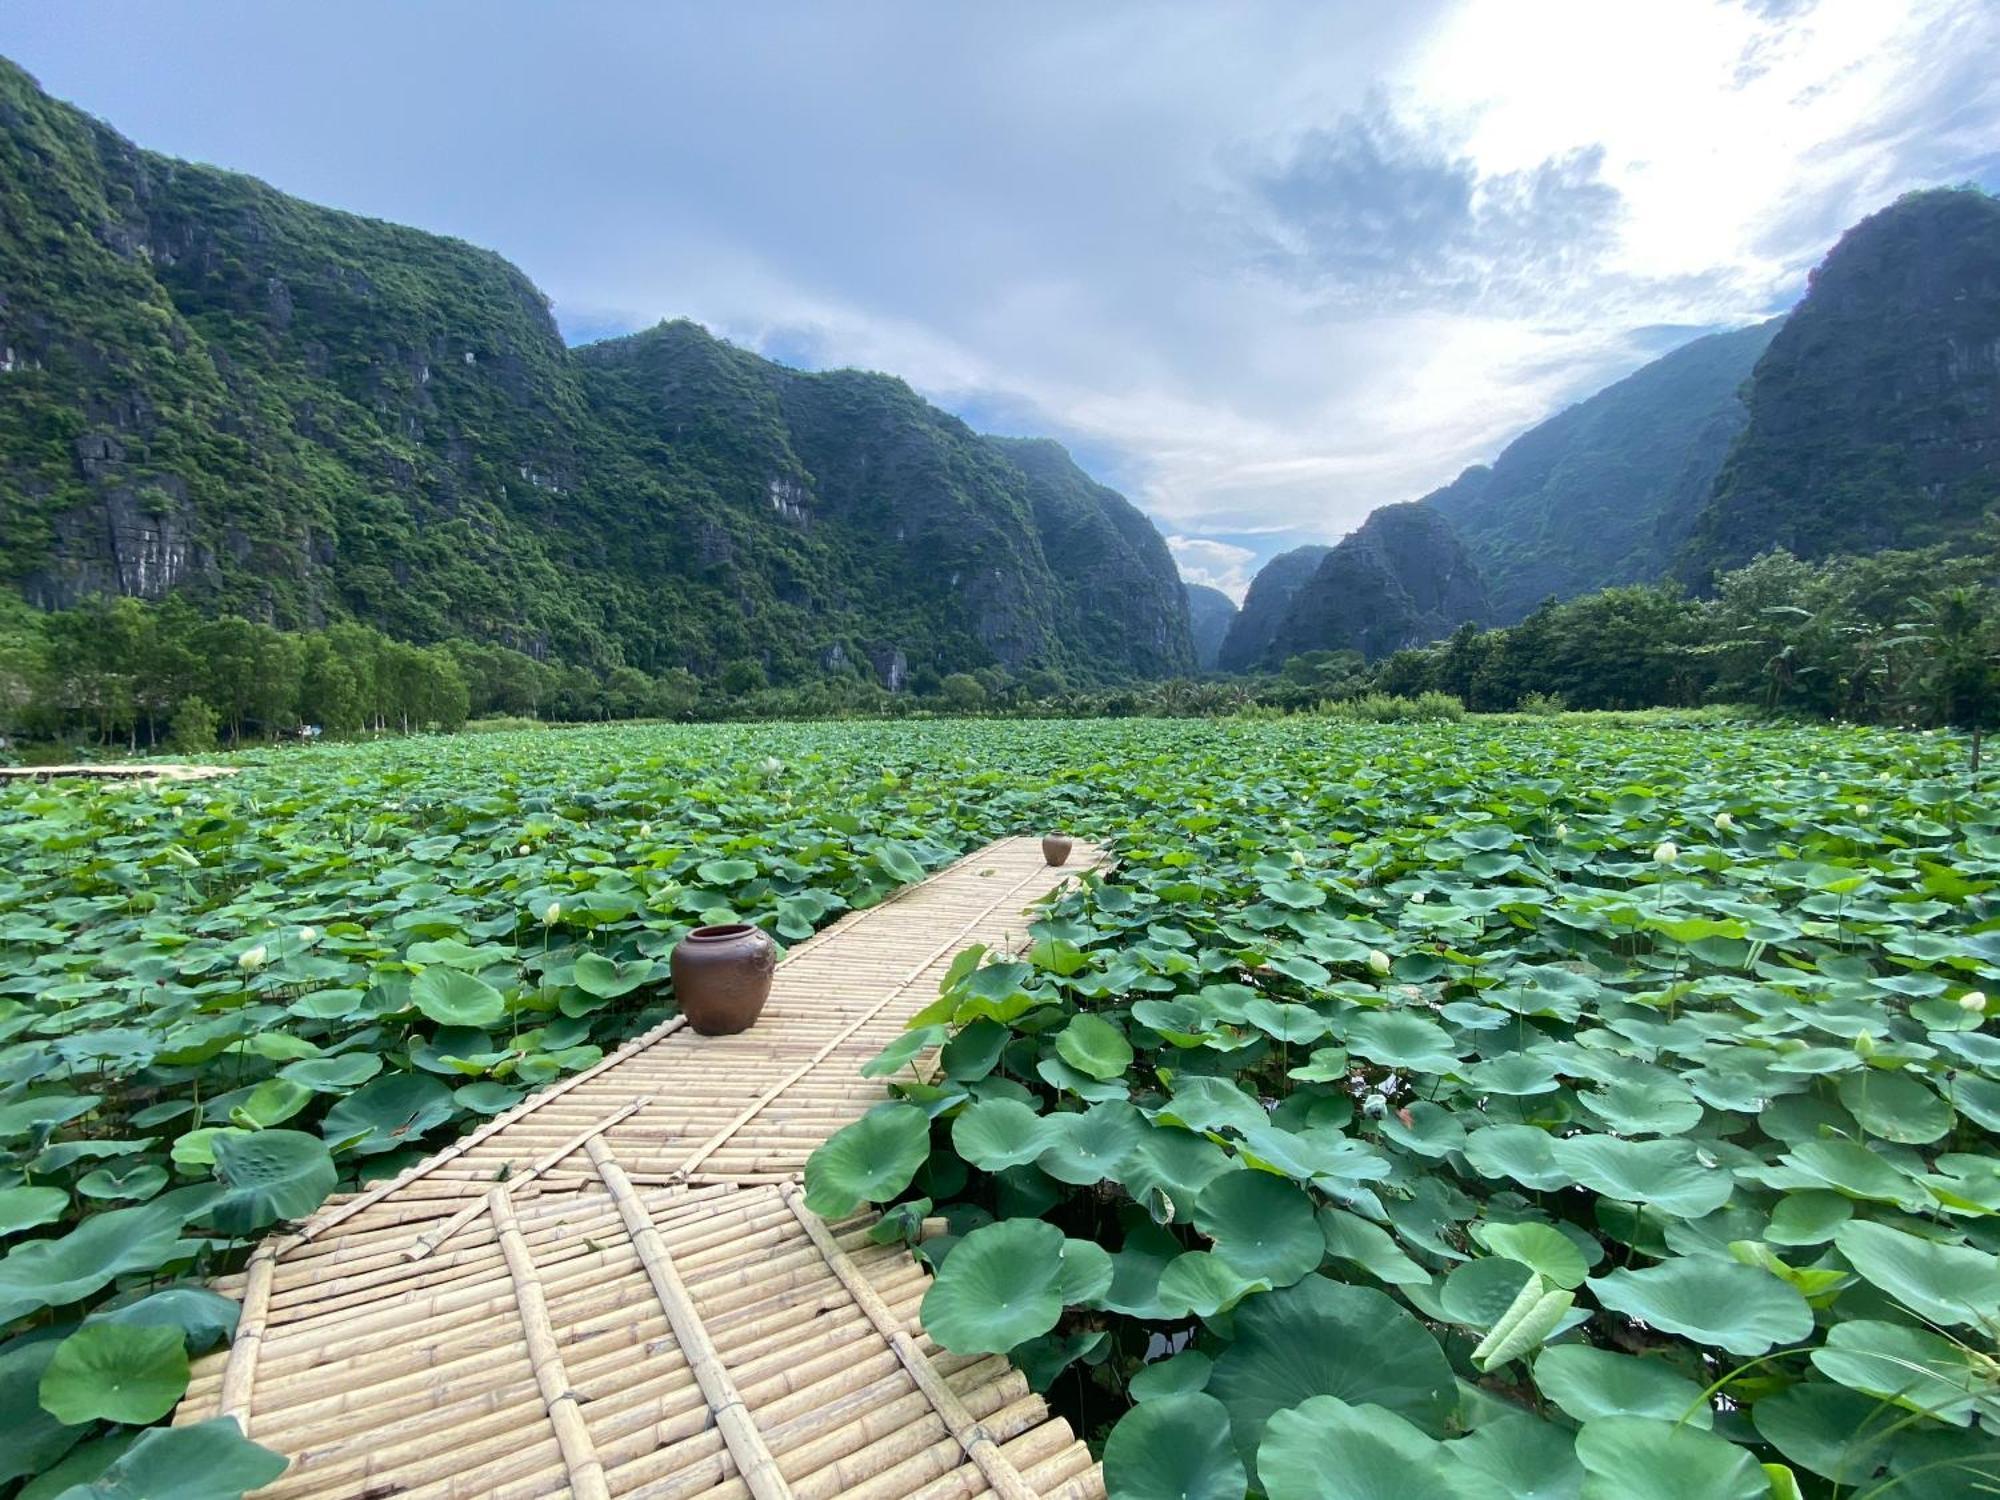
[[616, 1288], [115, 771]]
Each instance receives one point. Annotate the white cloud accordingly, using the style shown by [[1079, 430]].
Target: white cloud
[[1269, 265], [1219, 565]]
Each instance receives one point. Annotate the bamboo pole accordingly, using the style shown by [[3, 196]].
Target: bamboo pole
[[579, 1454], [1001, 1475], [746, 1444], [239, 1375]]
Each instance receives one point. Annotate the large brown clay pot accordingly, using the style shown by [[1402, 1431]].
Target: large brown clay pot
[[722, 976], [1056, 847]]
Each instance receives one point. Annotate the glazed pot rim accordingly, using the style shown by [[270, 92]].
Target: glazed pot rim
[[720, 931]]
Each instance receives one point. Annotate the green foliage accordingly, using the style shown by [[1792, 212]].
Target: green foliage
[[192, 729]]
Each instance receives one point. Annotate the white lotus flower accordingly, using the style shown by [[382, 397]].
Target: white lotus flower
[[523, 851], [1562, 830], [772, 765], [1666, 853], [1418, 898], [551, 912], [1861, 809], [1864, 1045], [1973, 1002], [1724, 823], [1378, 961], [252, 958], [645, 830], [308, 934]]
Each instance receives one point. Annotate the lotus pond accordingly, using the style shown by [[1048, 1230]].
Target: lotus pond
[[1450, 1110]]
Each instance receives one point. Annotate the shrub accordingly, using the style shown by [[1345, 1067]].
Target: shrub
[[1541, 705], [192, 730]]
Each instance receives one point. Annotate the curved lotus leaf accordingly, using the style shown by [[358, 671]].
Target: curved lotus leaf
[[332, 1075], [1093, 1046], [1398, 1040], [210, 1460], [1000, 1286], [1807, 1218], [1518, 1457], [1516, 1074], [1911, 1366], [1477, 1292], [1174, 1164], [1652, 1106], [137, 1180], [1175, 1376], [271, 1102], [1086, 1272], [1292, 1024], [115, 1373], [1262, 1225], [1851, 1168], [1895, 1106], [1136, 1269], [43, 1112], [869, 1161], [451, 997], [903, 1051], [204, 1318], [271, 1175], [1322, 1338], [1729, 1306], [1641, 1458], [1521, 1153], [1944, 1283], [28, 1207], [1086, 1148], [1587, 1383], [1350, 1237], [1839, 1434], [1325, 1449], [390, 1112], [1545, 1250], [1174, 1447], [998, 1133], [52, 1273], [487, 1097], [1203, 1103], [1666, 1175], [598, 975], [1202, 1284]]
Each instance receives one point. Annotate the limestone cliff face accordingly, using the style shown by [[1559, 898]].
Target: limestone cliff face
[[1402, 579], [210, 388], [1874, 416], [1248, 642], [1210, 614]]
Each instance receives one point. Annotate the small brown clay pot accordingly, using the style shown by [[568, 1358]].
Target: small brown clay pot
[[722, 976], [1056, 847]]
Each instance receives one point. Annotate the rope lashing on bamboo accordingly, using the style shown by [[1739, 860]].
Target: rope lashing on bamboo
[[579, 1453], [428, 1242], [240, 1373], [998, 1470], [747, 1448], [327, 1218], [715, 1142]]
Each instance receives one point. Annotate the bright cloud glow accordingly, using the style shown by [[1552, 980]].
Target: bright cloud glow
[[1267, 266]]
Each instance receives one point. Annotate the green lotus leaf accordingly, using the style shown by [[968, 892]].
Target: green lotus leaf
[[271, 1175], [1000, 1286], [869, 1161], [271, 1102], [333, 1075], [1262, 1225], [43, 1112], [1322, 1338], [137, 1180], [903, 1051], [1325, 1449], [1666, 1175], [1092, 1045], [1086, 1272], [1518, 1457], [1202, 1284], [1169, 1168], [1301, 895], [1837, 1433], [54, 1273], [1294, 1025], [1086, 1148], [115, 1373], [736, 871], [1808, 1218], [452, 997], [1642, 1458], [1720, 1303], [1661, 1106], [1588, 1383], [1544, 1250], [1174, 1446], [1851, 1168], [1201, 1103], [1397, 1040], [27, 1207], [1911, 1366], [209, 1460], [901, 865], [486, 1097], [204, 1318], [975, 1052], [998, 1133], [597, 975], [1516, 1074], [1176, 1376], [1894, 1106], [1949, 1284], [1477, 1292], [392, 1111], [1521, 1153], [1352, 1238]]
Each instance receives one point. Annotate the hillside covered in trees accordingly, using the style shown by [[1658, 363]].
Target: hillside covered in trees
[[299, 416]]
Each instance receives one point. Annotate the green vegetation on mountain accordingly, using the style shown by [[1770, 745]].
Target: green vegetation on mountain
[[302, 416], [1401, 579], [1874, 416], [1256, 624], [1210, 614], [1605, 492]]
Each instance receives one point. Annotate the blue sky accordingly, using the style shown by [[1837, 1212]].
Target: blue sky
[[1263, 266]]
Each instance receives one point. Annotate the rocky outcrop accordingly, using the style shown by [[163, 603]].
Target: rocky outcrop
[[1874, 416], [1402, 579], [1210, 614], [1248, 642]]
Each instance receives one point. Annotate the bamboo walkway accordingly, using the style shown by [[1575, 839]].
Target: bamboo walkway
[[616, 1288]]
